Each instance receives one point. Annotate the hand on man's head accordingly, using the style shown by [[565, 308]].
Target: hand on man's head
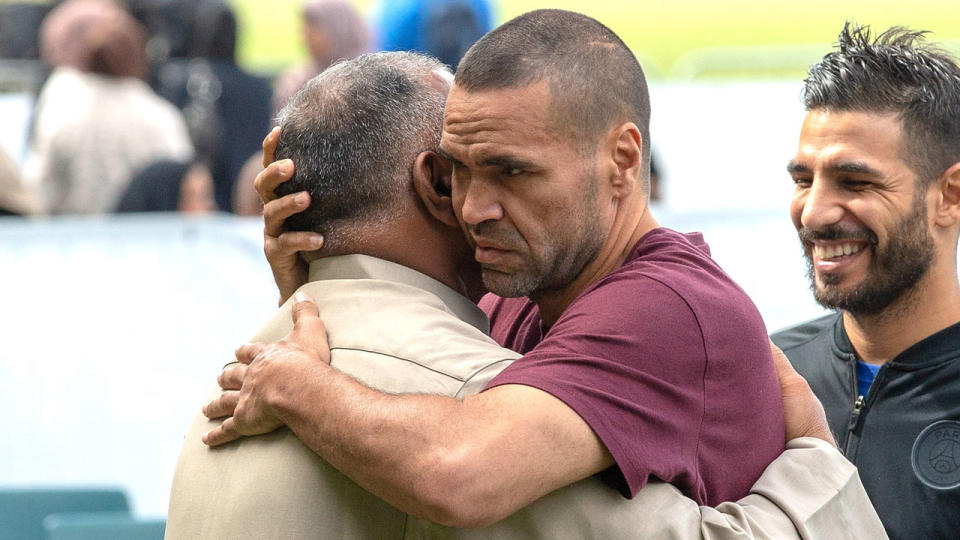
[[281, 248]]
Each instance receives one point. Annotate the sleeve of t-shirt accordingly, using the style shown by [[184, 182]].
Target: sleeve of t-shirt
[[628, 356]]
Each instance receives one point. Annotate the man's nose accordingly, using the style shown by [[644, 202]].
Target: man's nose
[[481, 202], [821, 205]]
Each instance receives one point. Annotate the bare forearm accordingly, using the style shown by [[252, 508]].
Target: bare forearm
[[420, 453]]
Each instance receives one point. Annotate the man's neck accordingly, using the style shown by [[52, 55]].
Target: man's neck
[[438, 264], [932, 305], [628, 228], [447, 259]]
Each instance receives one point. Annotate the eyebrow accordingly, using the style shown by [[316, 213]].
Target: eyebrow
[[853, 167], [495, 161], [507, 162], [446, 155], [856, 167], [794, 167]]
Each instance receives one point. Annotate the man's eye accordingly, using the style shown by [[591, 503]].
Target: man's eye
[[512, 171], [855, 184], [801, 181]]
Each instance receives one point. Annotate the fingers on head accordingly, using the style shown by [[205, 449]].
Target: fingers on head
[[272, 176], [270, 145], [296, 241], [277, 210]]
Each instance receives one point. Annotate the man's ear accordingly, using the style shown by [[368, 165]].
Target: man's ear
[[431, 180], [947, 212], [625, 146]]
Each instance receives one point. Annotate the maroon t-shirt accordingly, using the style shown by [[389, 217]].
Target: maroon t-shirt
[[667, 360]]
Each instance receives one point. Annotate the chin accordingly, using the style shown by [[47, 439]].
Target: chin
[[505, 285]]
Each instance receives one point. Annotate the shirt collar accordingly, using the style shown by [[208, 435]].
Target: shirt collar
[[932, 349], [358, 266]]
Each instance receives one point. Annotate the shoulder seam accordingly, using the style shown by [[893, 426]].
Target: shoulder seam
[[481, 370], [402, 359]]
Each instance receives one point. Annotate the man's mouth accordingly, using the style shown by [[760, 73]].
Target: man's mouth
[[486, 253], [839, 258], [835, 251]]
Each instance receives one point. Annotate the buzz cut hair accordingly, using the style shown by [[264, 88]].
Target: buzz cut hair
[[595, 81]]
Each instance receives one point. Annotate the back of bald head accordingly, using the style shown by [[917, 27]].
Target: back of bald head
[[595, 81]]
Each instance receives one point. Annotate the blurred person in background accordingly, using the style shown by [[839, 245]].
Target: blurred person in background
[[656, 179], [227, 110], [96, 120], [170, 186], [15, 198], [246, 200], [444, 29], [332, 30]]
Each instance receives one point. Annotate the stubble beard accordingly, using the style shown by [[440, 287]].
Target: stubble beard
[[893, 272], [552, 270], [560, 263]]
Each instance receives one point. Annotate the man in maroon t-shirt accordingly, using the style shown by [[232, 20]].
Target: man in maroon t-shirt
[[663, 358], [642, 358]]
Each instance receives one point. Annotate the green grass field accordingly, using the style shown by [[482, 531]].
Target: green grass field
[[659, 32]]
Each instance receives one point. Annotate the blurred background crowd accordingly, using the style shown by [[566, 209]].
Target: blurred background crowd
[[141, 106], [160, 105]]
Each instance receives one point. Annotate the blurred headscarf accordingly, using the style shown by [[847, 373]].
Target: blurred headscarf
[[347, 34], [334, 30], [96, 36]]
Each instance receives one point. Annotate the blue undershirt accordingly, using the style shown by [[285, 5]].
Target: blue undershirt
[[865, 375]]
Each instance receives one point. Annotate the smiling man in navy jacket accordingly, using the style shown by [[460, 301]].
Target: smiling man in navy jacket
[[877, 209]]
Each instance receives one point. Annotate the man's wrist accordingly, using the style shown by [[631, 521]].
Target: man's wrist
[[296, 399]]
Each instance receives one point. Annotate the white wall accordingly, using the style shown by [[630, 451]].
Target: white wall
[[725, 145], [113, 331]]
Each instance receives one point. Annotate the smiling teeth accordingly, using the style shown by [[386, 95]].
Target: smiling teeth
[[838, 250]]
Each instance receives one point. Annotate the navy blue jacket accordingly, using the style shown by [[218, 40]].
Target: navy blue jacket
[[904, 435]]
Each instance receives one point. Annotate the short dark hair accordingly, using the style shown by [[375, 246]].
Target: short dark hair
[[595, 81], [354, 132], [896, 72]]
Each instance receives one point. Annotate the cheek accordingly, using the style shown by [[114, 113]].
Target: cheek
[[460, 181], [457, 192], [796, 210]]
